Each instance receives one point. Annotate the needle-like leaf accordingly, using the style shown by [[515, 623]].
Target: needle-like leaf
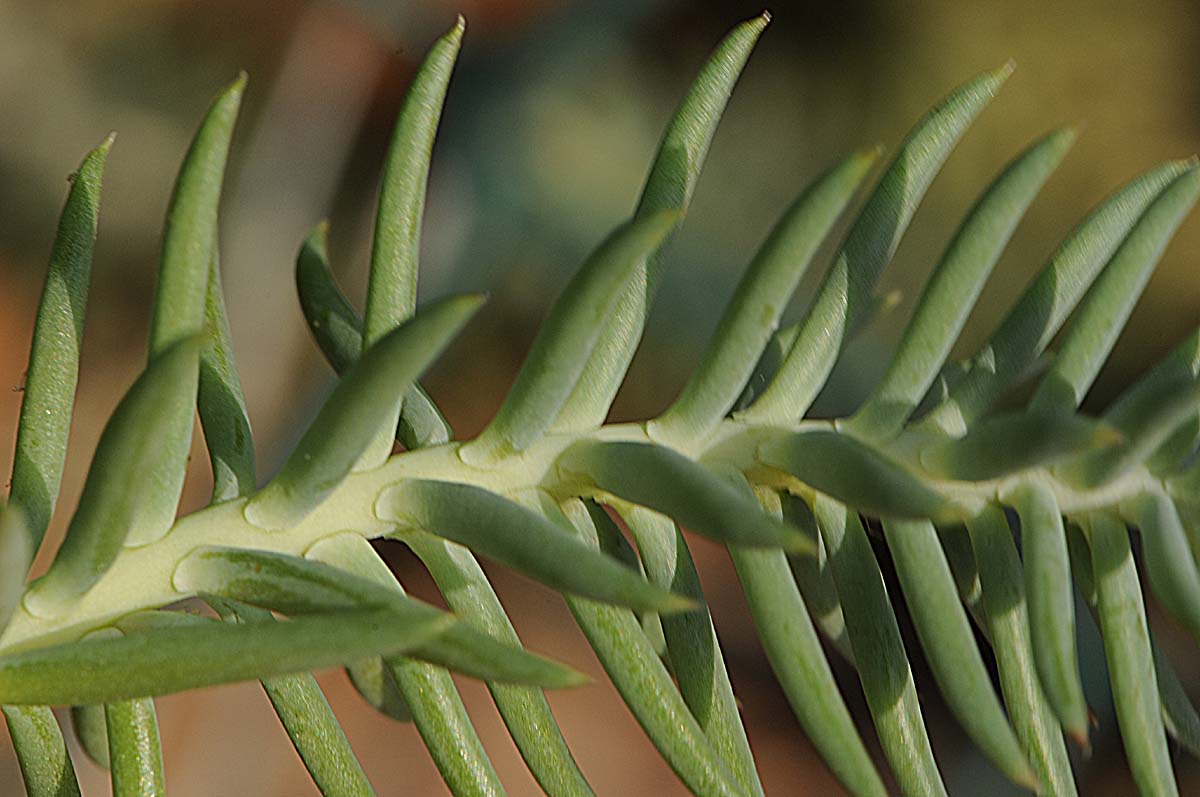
[[16, 552], [1031, 324], [1169, 559], [134, 749], [949, 644], [878, 649], [160, 661], [297, 586], [753, 313], [568, 335], [1004, 601], [41, 753], [524, 540], [845, 293], [1051, 604], [668, 482], [54, 357], [1130, 660], [336, 438], [110, 508], [670, 184], [812, 572]]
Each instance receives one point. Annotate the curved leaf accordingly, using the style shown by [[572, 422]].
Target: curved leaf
[[1169, 559], [41, 753]]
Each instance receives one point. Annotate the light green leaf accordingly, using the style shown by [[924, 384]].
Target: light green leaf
[[794, 652], [309, 721], [297, 586], [1045, 304], [16, 552], [954, 287], [692, 645], [165, 660], [110, 508], [1003, 444], [949, 644], [41, 753], [134, 749], [1004, 602], [53, 369], [221, 403], [845, 294], [1169, 559], [672, 180], [852, 472], [1104, 310], [1130, 660], [1051, 604], [668, 482], [524, 540], [761, 297], [189, 246], [644, 683], [91, 729], [812, 573], [567, 337], [346, 423], [337, 330], [524, 709]]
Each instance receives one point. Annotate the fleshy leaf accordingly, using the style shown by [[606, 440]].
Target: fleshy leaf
[[566, 339], [525, 541], [349, 418], [16, 552], [110, 508], [134, 750], [53, 370], [1051, 604], [1169, 560], [670, 184], [761, 297], [956, 283], [160, 661], [845, 294], [41, 752], [668, 482], [1033, 321], [297, 586], [91, 729]]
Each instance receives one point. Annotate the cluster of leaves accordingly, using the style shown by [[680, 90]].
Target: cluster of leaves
[[295, 584]]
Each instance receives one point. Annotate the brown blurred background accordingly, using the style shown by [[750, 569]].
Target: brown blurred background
[[552, 119]]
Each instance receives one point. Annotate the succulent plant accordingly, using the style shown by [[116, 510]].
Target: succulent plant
[[939, 460]]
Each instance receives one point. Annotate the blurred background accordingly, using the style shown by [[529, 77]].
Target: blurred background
[[550, 125]]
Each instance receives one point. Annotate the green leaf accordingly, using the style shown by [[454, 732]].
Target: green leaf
[[1003, 444], [337, 330], [794, 652], [91, 729], [1130, 660], [53, 368], [519, 538], [856, 474], [165, 660], [812, 573], [949, 644], [524, 709], [692, 645], [110, 508], [670, 184], [668, 482], [309, 721], [560, 350], [955, 286], [373, 681], [644, 683], [1169, 559], [221, 403], [1051, 604], [349, 418], [41, 753], [1104, 310], [189, 246], [16, 552], [1004, 601], [761, 297], [845, 293], [134, 750], [297, 586], [1045, 304], [878, 649]]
